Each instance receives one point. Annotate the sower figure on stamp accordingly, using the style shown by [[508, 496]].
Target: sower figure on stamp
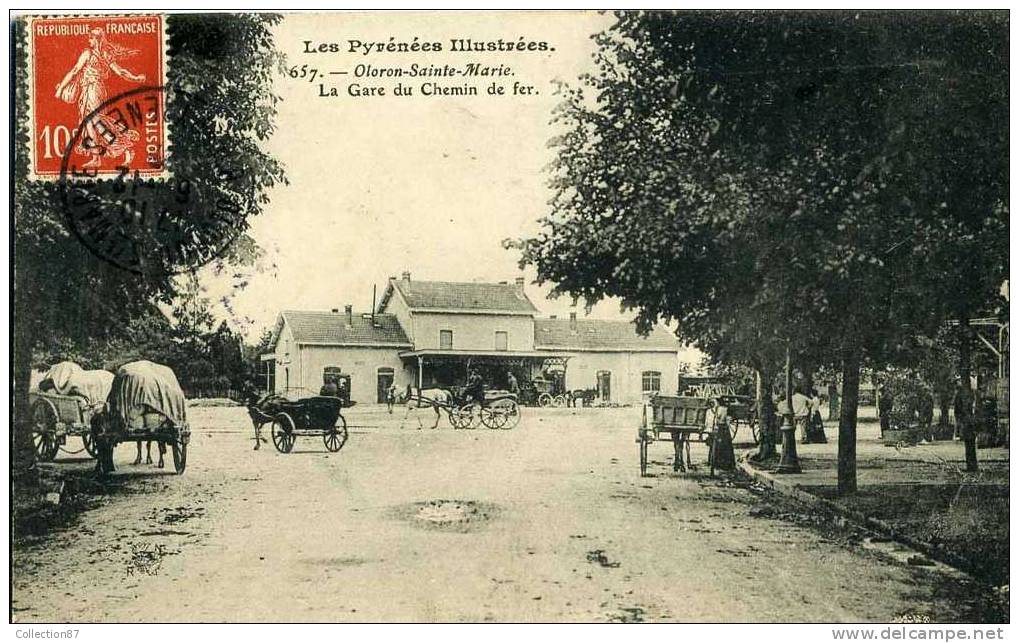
[[86, 85]]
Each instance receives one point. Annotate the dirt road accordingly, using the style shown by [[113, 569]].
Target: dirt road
[[548, 522]]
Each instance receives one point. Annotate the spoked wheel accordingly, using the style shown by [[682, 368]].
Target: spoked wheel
[[88, 441], [336, 437], [470, 416], [510, 412], [559, 401], [456, 418], [283, 433], [643, 453], [44, 430], [179, 449], [544, 400], [492, 417]]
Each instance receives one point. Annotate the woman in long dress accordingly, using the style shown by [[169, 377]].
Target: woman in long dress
[[85, 84]]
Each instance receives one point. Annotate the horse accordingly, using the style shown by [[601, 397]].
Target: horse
[[418, 398], [261, 411], [148, 453]]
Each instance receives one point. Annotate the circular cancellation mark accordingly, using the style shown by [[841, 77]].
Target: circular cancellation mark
[[130, 219]]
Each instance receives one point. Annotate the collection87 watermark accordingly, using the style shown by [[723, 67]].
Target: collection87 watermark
[[36, 633]]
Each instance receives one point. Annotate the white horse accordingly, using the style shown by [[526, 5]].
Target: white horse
[[434, 398]]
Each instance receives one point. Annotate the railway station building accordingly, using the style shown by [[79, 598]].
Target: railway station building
[[431, 333]]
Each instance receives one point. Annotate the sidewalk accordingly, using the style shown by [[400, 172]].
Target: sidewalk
[[920, 495]]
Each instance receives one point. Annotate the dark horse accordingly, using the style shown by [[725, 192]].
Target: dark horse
[[261, 410]]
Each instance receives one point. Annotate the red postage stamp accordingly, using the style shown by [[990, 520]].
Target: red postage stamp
[[96, 98]]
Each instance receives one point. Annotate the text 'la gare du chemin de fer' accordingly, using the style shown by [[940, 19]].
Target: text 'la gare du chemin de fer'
[[418, 70]]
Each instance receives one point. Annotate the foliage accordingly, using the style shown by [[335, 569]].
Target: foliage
[[221, 107], [747, 175]]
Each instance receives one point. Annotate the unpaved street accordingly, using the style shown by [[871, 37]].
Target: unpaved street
[[551, 522]]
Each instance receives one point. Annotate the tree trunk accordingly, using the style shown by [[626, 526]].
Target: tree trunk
[[23, 453], [765, 418], [945, 406], [969, 437], [847, 423]]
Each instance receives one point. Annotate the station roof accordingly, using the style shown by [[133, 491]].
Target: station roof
[[463, 297], [331, 329], [600, 335]]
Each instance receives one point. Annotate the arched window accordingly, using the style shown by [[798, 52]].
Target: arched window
[[651, 381]]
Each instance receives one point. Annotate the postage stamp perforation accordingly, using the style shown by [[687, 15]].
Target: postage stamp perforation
[[92, 22]]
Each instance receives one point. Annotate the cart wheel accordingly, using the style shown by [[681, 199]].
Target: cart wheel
[[453, 413], [336, 437], [470, 416], [283, 433], [44, 430], [510, 412], [88, 441], [559, 401], [643, 454], [494, 417], [180, 455], [544, 400]]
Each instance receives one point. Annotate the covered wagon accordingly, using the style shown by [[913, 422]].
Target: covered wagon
[[146, 403], [67, 399]]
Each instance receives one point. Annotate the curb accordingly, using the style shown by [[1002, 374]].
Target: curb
[[943, 561]]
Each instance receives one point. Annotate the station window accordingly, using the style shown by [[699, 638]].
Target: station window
[[651, 381], [501, 340], [446, 340]]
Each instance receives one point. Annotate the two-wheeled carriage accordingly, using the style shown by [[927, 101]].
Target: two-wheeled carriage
[[64, 405], [684, 420], [319, 416], [146, 404], [497, 410]]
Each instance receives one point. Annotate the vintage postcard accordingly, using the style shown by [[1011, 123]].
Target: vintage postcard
[[511, 317]]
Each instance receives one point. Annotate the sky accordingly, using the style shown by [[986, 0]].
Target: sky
[[432, 185], [427, 184]]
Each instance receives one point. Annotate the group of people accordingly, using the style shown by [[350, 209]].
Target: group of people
[[806, 415], [335, 387]]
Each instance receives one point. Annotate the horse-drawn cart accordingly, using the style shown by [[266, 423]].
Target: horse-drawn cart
[[146, 404], [498, 410], [67, 399], [683, 420], [319, 416]]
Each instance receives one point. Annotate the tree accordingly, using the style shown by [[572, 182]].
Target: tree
[[221, 106], [733, 172]]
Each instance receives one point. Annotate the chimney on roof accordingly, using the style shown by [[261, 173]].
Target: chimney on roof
[[350, 314], [519, 281], [336, 310], [406, 275], [573, 322], [552, 316]]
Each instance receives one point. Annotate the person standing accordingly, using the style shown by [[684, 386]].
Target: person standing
[[815, 428], [833, 400], [884, 409], [329, 388], [391, 397], [801, 413], [511, 383]]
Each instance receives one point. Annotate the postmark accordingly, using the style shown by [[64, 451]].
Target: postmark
[[76, 63], [141, 224]]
